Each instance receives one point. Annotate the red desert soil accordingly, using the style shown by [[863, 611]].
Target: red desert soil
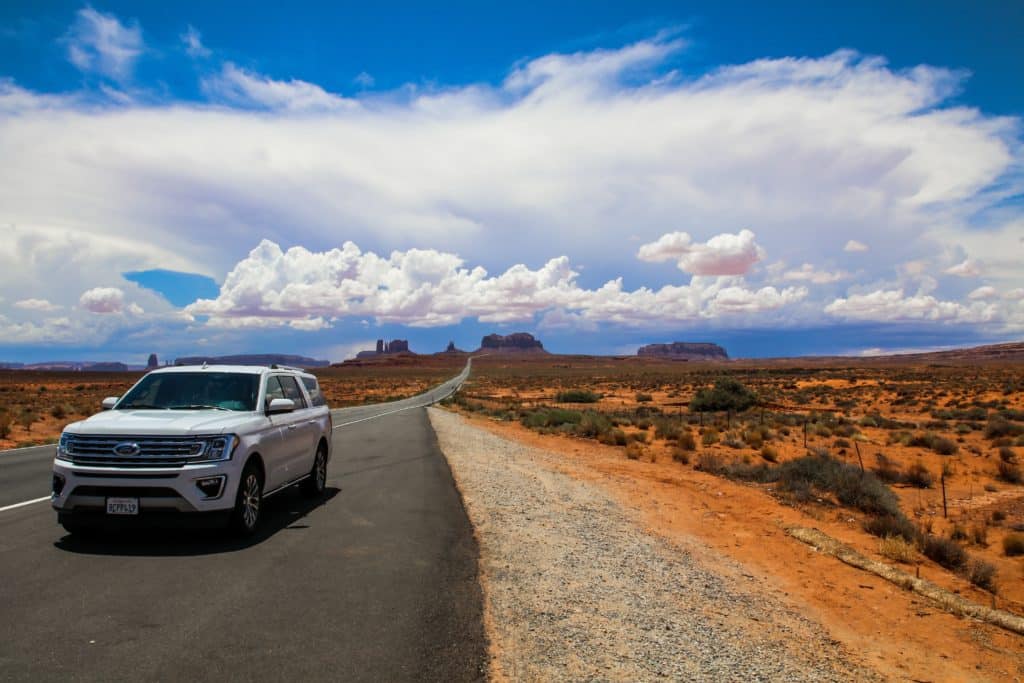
[[894, 631]]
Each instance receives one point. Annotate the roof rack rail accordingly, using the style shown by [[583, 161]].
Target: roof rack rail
[[275, 366]]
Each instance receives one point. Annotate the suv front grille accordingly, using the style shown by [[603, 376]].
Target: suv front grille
[[144, 451]]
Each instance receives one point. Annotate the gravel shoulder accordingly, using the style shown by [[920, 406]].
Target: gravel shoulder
[[575, 589]]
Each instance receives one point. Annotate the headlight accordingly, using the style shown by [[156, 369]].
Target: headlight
[[220, 447], [64, 447]]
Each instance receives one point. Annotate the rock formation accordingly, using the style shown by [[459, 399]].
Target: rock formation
[[254, 359], [684, 351], [386, 347], [516, 342], [153, 362]]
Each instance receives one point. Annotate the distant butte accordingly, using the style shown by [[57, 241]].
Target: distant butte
[[684, 351], [518, 342]]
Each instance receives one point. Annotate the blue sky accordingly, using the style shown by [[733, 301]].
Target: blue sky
[[804, 178]]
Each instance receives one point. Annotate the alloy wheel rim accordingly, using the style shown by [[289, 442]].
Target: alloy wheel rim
[[321, 470], [251, 501]]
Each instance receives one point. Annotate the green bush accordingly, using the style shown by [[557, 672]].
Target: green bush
[[667, 428], [1013, 545], [644, 398], [727, 394], [686, 440], [851, 487], [551, 417], [709, 437], [593, 425]]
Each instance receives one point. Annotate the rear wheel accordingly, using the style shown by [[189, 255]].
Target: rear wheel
[[316, 481], [248, 502]]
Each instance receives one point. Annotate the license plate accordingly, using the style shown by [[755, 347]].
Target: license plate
[[122, 506]]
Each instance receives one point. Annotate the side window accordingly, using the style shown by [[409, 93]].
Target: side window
[[274, 389], [313, 389], [292, 391]]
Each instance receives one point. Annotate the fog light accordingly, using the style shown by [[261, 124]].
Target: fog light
[[210, 487], [58, 484]]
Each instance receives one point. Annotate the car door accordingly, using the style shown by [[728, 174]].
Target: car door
[[302, 430], [278, 459]]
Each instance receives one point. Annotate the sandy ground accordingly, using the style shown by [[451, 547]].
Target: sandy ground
[[892, 631], [576, 590]]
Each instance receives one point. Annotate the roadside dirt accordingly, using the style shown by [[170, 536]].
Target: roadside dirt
[[892, 631]]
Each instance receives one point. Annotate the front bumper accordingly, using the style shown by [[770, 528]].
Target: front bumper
[[83, 489]]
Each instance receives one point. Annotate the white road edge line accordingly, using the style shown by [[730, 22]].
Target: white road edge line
[[392, 412], [27, 502], [25, 448]]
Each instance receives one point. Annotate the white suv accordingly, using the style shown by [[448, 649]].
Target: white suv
[[211, 441]]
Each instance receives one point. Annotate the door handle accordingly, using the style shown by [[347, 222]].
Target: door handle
[[291, 426]]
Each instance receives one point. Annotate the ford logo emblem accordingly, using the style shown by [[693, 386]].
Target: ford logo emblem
[[127, 448]]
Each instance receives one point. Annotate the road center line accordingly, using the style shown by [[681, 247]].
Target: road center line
[[23, 503]]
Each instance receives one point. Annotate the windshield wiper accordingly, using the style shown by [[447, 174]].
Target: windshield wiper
[[141, 406], [197, 407]]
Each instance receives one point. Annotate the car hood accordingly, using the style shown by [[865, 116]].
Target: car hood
[[163, 422]]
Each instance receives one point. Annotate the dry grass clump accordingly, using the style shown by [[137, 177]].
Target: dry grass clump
[[897, 549], [1010, 472]]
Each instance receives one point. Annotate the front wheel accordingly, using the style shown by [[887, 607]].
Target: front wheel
[[248, 502], [317, 479]]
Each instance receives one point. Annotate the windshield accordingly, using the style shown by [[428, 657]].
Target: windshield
[[193, 391]]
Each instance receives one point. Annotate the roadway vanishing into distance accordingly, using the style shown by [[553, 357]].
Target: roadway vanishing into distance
[[376, 580]]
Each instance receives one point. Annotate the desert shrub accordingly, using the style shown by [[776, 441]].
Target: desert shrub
[[551, 417], [644, 398], [958, 533], [634, 451], [5, 425], [979, 534], [59, 411], [667, 428], [998, 427], [681, 455], [851, 487], [982, 574], [727, 394], [998, 516], [769, 453], [711, 463], [733, 440], [886, 470], [642, 424], [898, 549], [1010, 472], [686, 440], [1013, 545], [841, 443], [709, 437], [1006, 454], [753, 438], [944, 551], [577, 396], [613, 437], [939, 444], [593, 425], [889, 526], [917, 475]]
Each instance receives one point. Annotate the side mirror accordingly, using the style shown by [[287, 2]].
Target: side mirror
[[280, 405], [109, 402]]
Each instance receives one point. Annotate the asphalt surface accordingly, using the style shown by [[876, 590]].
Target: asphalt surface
[[376, 580]]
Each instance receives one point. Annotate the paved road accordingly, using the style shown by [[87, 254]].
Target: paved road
[[376, 581]]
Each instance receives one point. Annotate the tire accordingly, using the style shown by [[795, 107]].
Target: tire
[[314, 484], [248, 510]]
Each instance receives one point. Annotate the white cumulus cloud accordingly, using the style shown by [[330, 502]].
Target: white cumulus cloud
[[966, 268], [238, 86], [724, 254], [984, 292], [854, 246], [102, 300], [428, 288], [893, 306], [809, 273], [193, 41]]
